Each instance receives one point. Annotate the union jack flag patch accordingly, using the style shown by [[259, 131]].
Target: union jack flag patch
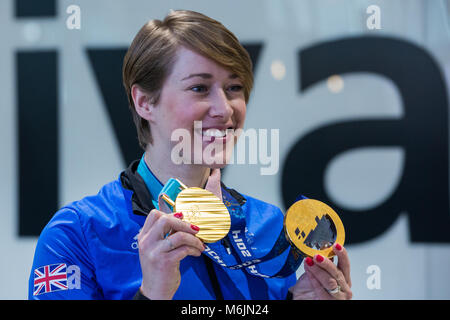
[[50, 278]]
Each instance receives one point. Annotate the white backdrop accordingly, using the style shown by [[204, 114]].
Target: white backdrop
[[408, 271]]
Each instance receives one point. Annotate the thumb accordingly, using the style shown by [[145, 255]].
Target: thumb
[[213, 183], [163, 205]]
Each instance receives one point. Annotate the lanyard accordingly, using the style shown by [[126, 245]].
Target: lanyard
[[154, 186]]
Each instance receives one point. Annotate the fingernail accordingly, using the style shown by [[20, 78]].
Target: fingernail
[[178, 215], [309, 261], [319, 258], [194, 227], [338, 247]]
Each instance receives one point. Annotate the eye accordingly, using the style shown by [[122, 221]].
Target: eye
[[200, 88], [235, 88]]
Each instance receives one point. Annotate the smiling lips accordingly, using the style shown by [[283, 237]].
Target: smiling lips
[[218, 135], [211, 134]]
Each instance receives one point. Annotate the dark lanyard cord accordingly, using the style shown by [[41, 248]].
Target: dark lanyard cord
[[213, 277]]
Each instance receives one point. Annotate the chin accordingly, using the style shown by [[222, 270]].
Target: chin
[[218, 162], [217, 166]]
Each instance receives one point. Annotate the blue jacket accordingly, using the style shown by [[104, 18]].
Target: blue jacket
[[89, 250]]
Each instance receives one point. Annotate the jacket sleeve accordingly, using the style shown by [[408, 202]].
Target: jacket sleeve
[[62, 266]]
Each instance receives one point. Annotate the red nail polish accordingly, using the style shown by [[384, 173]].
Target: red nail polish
[[178, 215], [338, 247], [194, 227], [309, 261], [319, 258]]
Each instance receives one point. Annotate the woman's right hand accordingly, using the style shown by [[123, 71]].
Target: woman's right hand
[[160, 256]]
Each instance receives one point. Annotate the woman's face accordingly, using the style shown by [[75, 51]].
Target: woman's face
[[205, 100]]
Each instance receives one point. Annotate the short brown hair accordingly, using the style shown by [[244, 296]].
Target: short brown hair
[[152, 53]]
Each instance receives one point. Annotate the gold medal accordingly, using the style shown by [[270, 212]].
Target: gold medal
[[203, 209], [313, 228]]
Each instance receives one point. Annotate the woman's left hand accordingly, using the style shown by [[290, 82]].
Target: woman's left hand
[[323, 280]]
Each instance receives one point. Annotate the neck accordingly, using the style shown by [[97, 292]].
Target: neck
[[190, 174]]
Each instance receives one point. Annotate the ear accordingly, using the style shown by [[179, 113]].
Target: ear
[[142, 103]]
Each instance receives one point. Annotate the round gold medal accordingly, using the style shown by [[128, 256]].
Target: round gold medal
[[205, 210], [313, 228]]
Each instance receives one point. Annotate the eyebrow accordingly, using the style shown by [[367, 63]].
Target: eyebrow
[[207, 76]]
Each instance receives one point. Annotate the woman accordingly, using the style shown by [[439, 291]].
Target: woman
[[184, 70]]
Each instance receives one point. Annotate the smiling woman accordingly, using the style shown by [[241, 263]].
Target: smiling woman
[[178, 73], [153, 52]]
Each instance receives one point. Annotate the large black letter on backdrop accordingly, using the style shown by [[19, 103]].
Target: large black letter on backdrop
[[423, 134], [107, 67], [37, 127]]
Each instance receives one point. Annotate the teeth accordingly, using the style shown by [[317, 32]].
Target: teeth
[[214, 133]]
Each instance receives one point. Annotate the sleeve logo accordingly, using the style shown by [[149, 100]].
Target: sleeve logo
[[56, 277]]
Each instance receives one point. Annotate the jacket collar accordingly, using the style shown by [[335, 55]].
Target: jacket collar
[[141, 200]]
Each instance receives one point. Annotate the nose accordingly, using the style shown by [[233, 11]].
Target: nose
[[220, 105]]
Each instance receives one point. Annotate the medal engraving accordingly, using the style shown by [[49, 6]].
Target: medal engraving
[[203, 209]]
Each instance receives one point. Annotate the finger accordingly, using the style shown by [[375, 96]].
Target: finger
[[213, 184], [333, 272], [325, 279], [143, 236], [343, 262], [163, 206], [152, 217], [327, 283], [319, 290], [180, 253], [180, 239], [166, 223]]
